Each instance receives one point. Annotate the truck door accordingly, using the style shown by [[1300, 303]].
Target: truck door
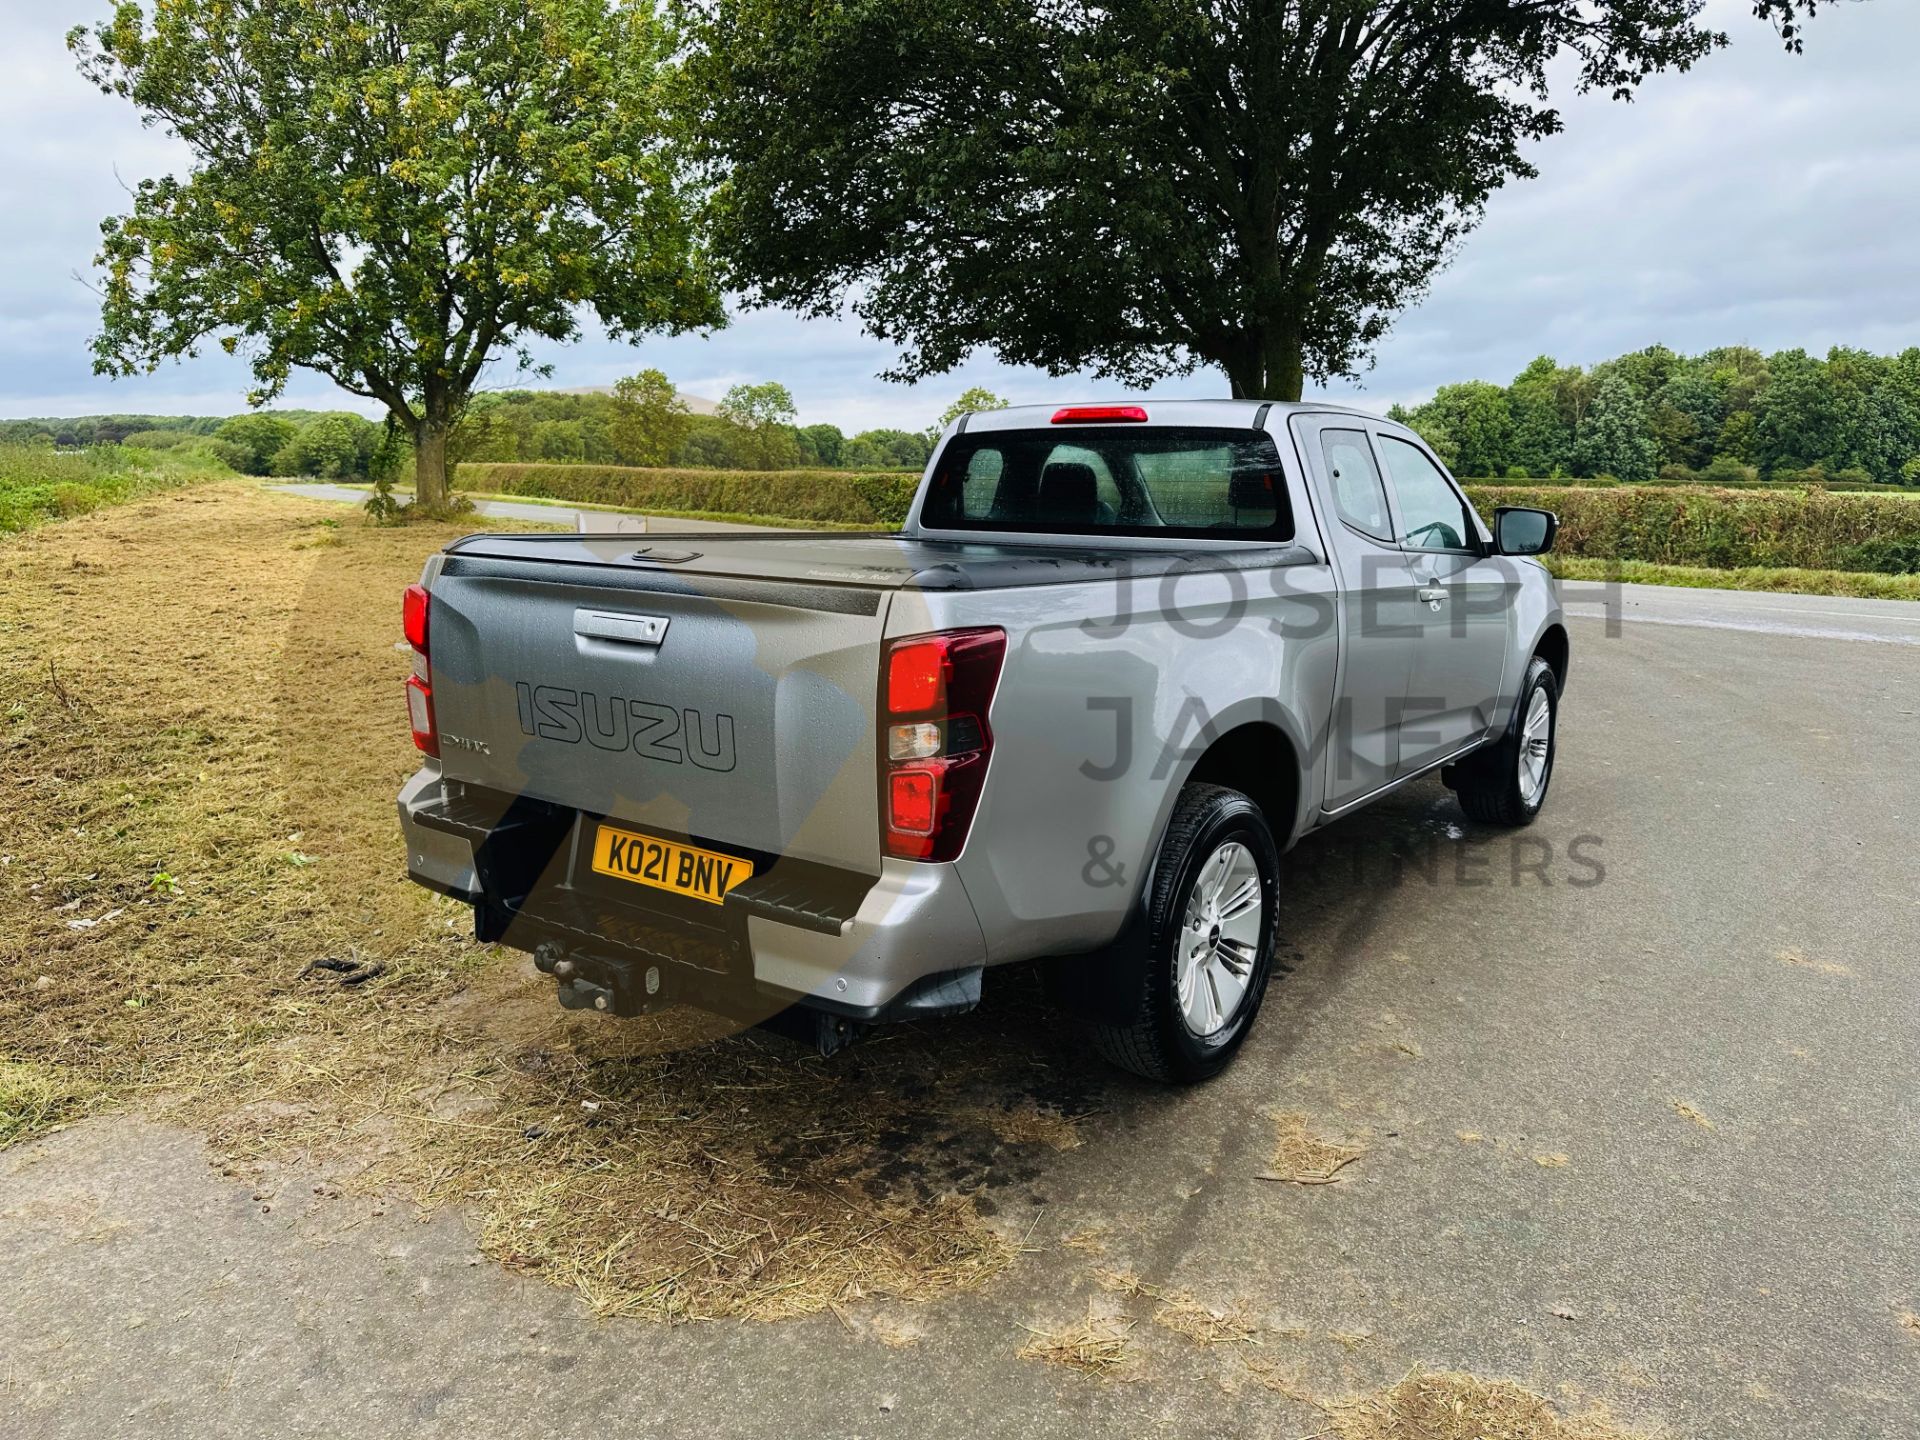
[[1378, 603], [1464, 611]]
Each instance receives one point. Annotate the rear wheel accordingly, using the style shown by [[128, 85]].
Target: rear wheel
[[1210, 927], [1506, 783]]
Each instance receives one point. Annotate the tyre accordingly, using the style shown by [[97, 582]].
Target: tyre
[[1210, 939], [1506, 783]]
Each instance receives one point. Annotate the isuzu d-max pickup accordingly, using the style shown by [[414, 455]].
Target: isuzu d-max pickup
[[1117, 660]]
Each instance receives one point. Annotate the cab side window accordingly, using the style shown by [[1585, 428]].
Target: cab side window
[[1432, 514], [1358, 494]]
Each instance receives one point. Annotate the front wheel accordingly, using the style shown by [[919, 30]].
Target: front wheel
[[1506, 783], [1210, 926]]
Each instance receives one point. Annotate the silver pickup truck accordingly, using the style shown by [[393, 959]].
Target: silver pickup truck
[[1118, 659]]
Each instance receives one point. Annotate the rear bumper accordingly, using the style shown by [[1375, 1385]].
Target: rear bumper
[[898, 946]]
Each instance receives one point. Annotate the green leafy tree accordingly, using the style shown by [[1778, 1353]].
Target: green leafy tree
[[1615, 439], [649, 419], [1797, 421], [1885, 435], [1139, 187], [888, 450], [822, 445], [765, 414], [1738, 440], [257, 439], [1647, 371], [330, 447], [975, 401], [1686, 417], [394, 193], [1542, 439], [1903, 374], [564, 441], [713, 443], [1477, 418]]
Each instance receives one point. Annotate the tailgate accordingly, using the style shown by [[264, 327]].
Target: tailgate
[[734, 712]]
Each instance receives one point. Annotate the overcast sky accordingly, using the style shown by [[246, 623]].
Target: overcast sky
[[1765, 200]]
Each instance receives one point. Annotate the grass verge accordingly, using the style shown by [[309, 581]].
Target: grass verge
[[39, 484], [1795, 582], [201, 734]]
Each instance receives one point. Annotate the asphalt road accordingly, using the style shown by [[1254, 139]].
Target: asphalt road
[[1652, 1139]]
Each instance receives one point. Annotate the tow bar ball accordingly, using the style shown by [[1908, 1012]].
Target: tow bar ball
[[577, 992]]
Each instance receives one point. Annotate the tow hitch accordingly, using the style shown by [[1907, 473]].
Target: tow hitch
[[586, 984]]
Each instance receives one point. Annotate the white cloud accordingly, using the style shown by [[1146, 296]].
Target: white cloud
[[1765, 199]]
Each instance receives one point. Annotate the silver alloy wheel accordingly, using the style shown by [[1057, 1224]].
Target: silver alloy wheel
[[1536, 746], [1219, 942]]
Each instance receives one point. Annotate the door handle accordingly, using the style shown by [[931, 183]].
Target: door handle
[[621, 629], [1434, 595]]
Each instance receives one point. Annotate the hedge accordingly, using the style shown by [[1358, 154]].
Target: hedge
[[1607, 482], [838, 497], [1724, 529], [1663, 525]]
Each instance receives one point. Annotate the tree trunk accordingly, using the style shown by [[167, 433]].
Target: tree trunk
[[430, 464], [1269, 365], [1286, 364]]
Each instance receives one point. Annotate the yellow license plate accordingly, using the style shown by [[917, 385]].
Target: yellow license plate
[[663, 865]]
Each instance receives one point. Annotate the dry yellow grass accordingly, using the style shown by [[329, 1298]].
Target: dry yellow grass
[[1097, 1345], [1204, 1324], [1122, 1282], [201, 733], [1909, 1321], [1686, 1110], [1088, 1239], [1301, 1157], [1552, 1160], [1027, 1123], [1450, 1406]]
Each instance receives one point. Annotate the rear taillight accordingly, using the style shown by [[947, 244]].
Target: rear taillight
[[935, 739], [1101, 415], [413, 620]]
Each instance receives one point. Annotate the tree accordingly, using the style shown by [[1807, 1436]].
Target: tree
[[649, 419], [713, 444], [1479, 422], [393, 193], [822, 445], [1886, 435], [1797, 423], [1686, 414], [257, 439], [331, 447], [1139, 187], [975, 401], [766, 414], [887, 450], [1615, 440], [1647, 371], [1542, 439]]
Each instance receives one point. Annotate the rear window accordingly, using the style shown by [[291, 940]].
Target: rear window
[[1166, 482]]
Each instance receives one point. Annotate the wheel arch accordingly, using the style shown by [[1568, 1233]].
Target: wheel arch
[[1260, 759], [1556, 648]]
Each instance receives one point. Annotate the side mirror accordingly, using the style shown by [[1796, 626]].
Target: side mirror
[[1524, 532]]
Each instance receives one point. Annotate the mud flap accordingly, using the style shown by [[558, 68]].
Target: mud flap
[[1105, 987]]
